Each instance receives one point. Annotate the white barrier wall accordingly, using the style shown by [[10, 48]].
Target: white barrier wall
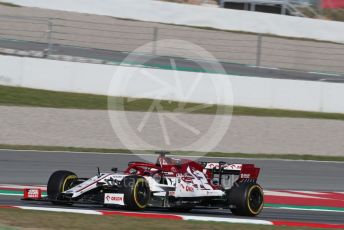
[[171, 85], [201, 16]]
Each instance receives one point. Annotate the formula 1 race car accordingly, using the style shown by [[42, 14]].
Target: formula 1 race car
[[177, 184]]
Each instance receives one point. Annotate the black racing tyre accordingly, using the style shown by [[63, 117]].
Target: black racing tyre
[[136, 192], [247, 199], [59, 182]]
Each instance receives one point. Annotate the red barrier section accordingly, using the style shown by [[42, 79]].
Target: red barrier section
[[332, 4], [7, 206], [326, 199], [312, 225]]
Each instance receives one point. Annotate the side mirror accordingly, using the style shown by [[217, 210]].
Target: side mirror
[[114, 170]]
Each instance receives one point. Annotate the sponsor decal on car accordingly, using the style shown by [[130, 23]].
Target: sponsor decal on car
[[187, 188], [245, 175], [31, 193], [224, 166], [114, 198]]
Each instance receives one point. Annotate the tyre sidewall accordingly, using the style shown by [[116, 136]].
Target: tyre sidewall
[[130, 189], [57, 183], [239, 197]]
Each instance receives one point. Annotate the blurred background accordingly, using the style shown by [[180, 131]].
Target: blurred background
[[323, 9]]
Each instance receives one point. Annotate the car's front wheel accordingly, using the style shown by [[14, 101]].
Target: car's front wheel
[[136, 192], [59, 182]]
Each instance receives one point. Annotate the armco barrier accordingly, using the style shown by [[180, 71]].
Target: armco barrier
[[96, 78], [183, 14]]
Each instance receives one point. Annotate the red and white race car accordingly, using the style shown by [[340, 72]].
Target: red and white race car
[[177, 184]]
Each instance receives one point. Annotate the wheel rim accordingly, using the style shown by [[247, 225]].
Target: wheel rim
[[255, 199], [141, 193], [68, 182]]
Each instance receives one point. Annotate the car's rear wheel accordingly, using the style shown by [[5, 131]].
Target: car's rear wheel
[[246, 199], [59, 182], [136, 192]]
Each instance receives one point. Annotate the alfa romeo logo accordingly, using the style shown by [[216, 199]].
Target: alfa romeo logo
[[163, 108]]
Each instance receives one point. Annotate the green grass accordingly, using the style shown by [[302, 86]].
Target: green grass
[[44, 98], [329, 14], [9, 4], [52, 220], [2, 227], [176, 152], [16, 96], [334, 14]]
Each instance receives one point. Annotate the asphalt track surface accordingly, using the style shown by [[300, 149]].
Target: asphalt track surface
[[34, 167], [156, 61]]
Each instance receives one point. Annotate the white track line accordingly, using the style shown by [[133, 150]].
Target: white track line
[[308, 192], [263, 67], [305, 209], [10, 194], [15, 186], [287, 194], [79, 211], [197, 218], [227, 220], [326, 74]]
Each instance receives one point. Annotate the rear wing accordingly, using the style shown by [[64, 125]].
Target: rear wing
[[244, 171]]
